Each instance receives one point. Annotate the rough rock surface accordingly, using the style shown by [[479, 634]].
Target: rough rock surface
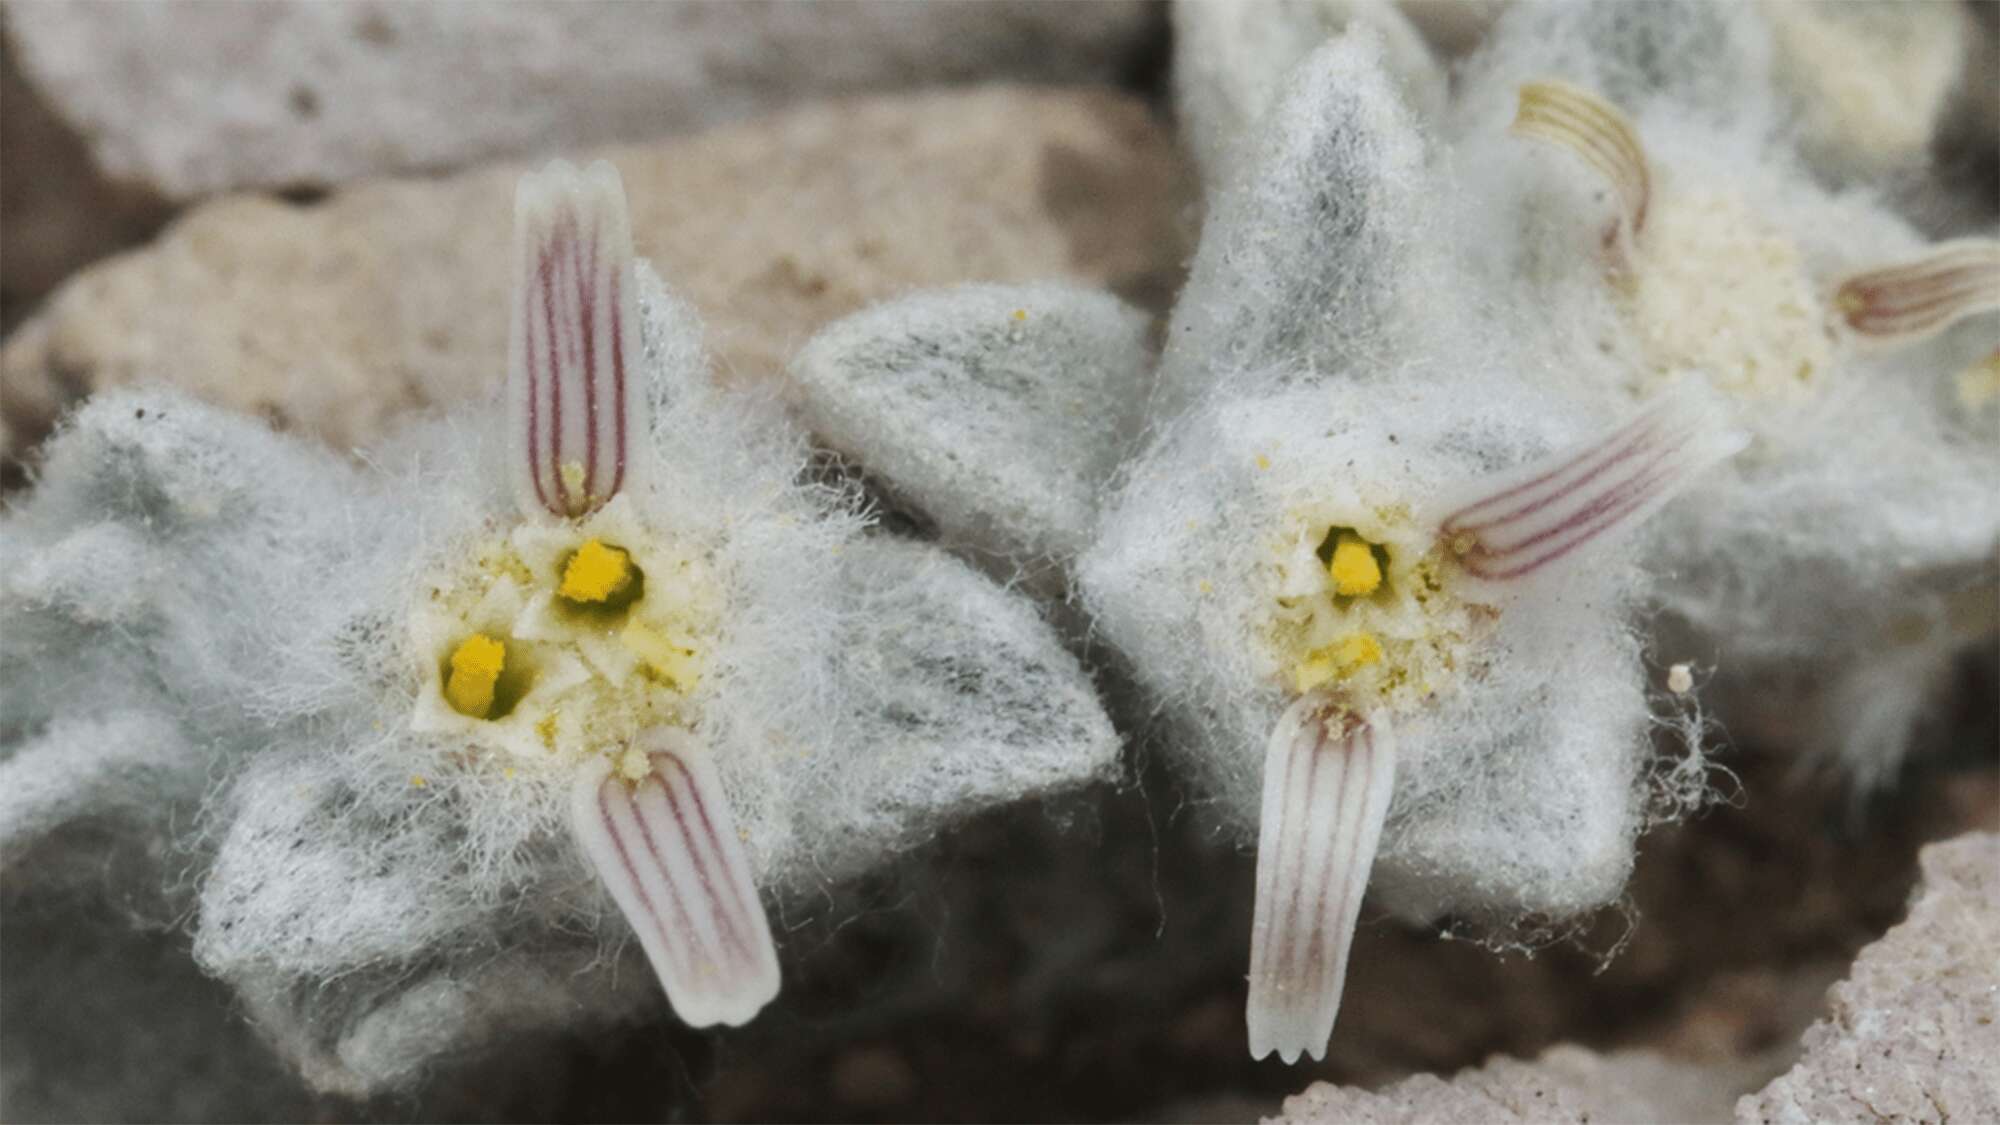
[[1914, 1032], [56, 212], [1566, 1084], [206, 97], [389, 296]]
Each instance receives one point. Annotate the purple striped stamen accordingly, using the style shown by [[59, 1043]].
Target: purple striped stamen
[[666, 848], [1328, 776], [575, 329], [1916, 299], [1543, 513]]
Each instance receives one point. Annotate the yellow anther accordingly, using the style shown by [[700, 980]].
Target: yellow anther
[[1020, 314], [475, 668], [596, 572], [1354, 569], [1263, 462]]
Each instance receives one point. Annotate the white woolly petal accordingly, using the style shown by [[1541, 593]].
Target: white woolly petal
[[954, 696], [665, 846], [1316, 255], [999, 410], [1229, 59], [129, 765], [1327, 781]]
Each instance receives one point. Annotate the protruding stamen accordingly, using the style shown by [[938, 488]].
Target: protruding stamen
[[1579, 121], [596, 573], [1353, 567], [1926, 296], [1327, 780], [1530, 517], [576, 416], [474, 675], [666, 847]]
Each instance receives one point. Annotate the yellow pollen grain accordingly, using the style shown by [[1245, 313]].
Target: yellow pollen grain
[[545, 729], [1357, 651], [1263, 462], [1020, 314], [1337, 661], [1979, 384], [417, 781], [595, 572], [475, 668], [633, 764], [1355, 572]]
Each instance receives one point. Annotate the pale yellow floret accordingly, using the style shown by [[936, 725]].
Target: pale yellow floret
[[671, 661], [1354, 569], [1337, 661], [475, 668], [1979, 385], [596, 572], [1715, 289]]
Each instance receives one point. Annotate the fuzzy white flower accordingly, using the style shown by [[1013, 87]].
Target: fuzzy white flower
[[1368, 573], [1654, 237], [607, 652]]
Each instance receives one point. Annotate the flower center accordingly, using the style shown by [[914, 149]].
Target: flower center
[[1713, 289], [1368, 620], [563, 640]]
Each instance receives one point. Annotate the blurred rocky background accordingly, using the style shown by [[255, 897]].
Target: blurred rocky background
[[301, 210]]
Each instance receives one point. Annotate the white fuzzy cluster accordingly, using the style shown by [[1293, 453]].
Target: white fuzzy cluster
[[1335, 382], [192, 602], [1842, 543], [999, 410]]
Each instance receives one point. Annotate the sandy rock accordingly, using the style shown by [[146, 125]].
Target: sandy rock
[[191, 97], [390, 296], [1914, 1032], [1566, 1084]]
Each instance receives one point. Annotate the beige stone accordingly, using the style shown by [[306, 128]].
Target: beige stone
[[190, 97], [390, 296], [1913, 1033]]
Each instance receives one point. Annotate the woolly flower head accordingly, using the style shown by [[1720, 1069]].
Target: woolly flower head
[[1371, 576], [1654, 238], [603, 662]]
